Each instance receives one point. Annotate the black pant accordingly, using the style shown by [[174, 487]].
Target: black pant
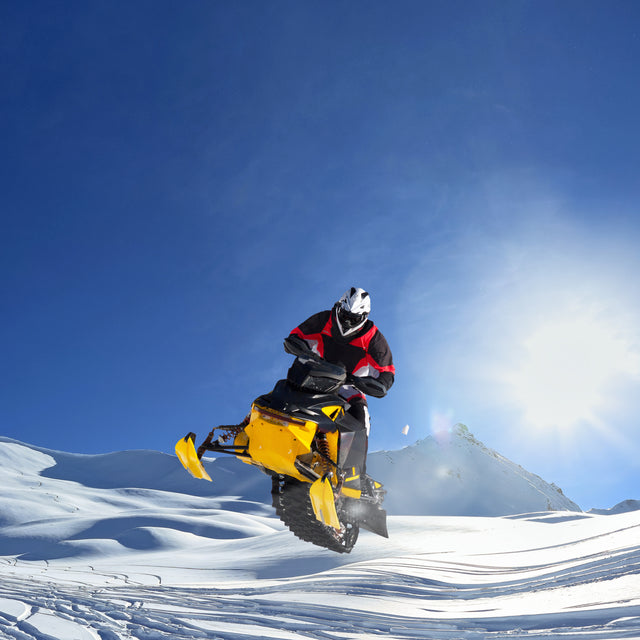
[[354, 439]]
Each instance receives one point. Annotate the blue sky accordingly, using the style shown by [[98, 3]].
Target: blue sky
[[183, 183]]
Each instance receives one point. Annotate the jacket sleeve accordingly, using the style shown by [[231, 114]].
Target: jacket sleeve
[[309, 333], [381, 354]]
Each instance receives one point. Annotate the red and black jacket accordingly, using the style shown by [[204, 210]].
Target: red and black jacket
[[365, 353]]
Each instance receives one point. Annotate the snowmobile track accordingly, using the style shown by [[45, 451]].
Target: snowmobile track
[[293, 506]]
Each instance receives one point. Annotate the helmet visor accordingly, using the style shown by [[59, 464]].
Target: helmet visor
[[348, 320]]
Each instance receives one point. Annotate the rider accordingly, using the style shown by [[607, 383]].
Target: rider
[[344, 335]]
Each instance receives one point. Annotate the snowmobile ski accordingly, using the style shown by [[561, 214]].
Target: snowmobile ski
[[323, 502], [186, 452]]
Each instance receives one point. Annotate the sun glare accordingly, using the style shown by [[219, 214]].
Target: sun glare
[[567, 365]]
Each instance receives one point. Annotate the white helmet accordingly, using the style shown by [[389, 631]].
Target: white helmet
[[352, 310]]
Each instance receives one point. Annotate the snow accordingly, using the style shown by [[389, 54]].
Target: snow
[[127, 545]]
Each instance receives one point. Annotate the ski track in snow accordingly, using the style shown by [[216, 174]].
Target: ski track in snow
[[440, 595]]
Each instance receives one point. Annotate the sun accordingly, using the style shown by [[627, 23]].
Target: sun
[[566, 367]]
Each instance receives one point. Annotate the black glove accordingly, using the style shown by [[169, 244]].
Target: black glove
[[369, 385]]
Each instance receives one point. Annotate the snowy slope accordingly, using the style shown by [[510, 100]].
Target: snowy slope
[[85, 553], [455, 474]]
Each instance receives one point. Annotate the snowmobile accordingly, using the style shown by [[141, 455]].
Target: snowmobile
[[301, 435]]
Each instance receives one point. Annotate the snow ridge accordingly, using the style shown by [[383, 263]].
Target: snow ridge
[[622, 507]]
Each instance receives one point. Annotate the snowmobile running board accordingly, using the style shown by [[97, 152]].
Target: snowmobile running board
[[186, 452]]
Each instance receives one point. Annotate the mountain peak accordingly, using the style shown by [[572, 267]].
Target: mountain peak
[[453, 473]]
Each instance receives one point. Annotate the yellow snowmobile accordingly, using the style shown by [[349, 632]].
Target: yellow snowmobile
[[301, 436]]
